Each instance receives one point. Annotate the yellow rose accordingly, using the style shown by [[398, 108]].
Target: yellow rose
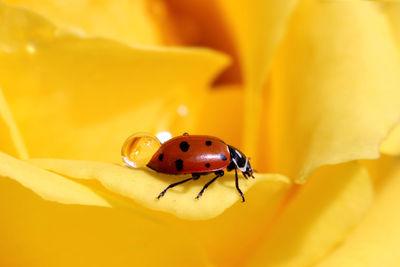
[[310, 90]]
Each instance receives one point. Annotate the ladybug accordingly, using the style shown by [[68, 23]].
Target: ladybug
[[199, 155]]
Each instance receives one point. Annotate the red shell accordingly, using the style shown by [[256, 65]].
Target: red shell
[[191, 154]]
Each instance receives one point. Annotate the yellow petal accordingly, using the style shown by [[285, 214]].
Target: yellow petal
[[222, 115], [392, 9], [38, 233], [124, 20], [256, 40], [231, 238], [48, 185], [198, 23], [143, 186], [391, 145], [82, 97], [335, 87], [10, 138], [318, 218], [376, 241]]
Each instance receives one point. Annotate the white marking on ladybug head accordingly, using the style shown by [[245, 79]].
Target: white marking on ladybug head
[[242, 169], [238, 153]]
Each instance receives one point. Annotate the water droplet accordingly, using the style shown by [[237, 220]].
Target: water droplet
[[138, 149], [164, 136]]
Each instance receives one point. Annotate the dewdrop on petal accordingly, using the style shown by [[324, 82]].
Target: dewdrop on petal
[[138, 149]]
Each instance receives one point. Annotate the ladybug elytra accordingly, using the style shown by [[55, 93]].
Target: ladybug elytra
[[199, 155]]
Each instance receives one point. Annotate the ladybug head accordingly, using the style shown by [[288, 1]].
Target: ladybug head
[[249, 170], [239, 161]]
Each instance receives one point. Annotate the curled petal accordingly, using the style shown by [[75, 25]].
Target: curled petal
[[319, 217], [48, 185], [92, 93], [143, 186], [232, 237], [376, 240], [256, 41], [10, 138], [126, 21], [391, 145], [334, 87], [36, 232]]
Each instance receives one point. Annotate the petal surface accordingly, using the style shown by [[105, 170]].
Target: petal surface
[[198, 23], [10, 138], [92, 93], [318, 217], [41, 233], [143, 186], [126, 21], [376, 241], [48, 185], [221, 115], [256, 41], [391, 145], [334, 88], [231, 238]]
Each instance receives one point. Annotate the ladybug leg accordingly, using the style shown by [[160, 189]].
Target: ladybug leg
[[219, 174], [194, 177], [237, 185]]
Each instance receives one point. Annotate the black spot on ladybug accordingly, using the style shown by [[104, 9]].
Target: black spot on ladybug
[[222, 156], [208, 143], [184, 146], [179, 164], [160, 157], [208, 165]]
